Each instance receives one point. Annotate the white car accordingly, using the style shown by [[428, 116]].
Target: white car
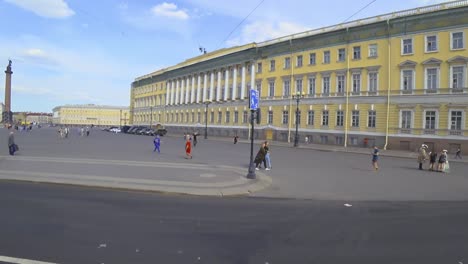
[[115, 130]]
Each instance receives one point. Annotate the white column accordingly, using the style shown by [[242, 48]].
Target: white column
[[182, 87], [192, 96], [226, 85], [211, 86], [187, 90], [198, 88], [252, 76], [243, 83], [177, 92], [205, 85], [218, 87], [234, 83], [168, 92], [172, 92]]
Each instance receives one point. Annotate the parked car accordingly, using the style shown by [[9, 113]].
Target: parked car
[[124, 129], [115, 130], [143, 131], [131, 129], [161, 132], [135, 130], [150, 132]]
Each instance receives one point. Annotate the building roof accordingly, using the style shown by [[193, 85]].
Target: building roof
[[346, 25], [90, 106]]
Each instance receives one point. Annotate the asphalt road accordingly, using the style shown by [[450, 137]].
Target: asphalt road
[[296, 173], [63, 224]]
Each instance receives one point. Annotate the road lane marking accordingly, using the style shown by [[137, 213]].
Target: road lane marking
[[22, 261]]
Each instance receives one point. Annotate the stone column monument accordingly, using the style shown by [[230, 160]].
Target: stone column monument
[[7, 114]]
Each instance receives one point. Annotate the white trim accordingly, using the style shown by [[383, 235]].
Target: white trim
[[423, 126], [402, 47], [425, 76], [465, 75], [449, 120], [437, 42], [376, 50], [402, 78], [400, 119], [463, 39]]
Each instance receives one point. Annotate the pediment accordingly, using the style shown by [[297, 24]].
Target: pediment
[[458, 59], [432, 61], [407, 64]]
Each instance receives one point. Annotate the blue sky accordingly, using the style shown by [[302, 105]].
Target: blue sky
[[88, 51]]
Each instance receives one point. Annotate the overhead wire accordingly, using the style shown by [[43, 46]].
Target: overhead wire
[[240, 23]]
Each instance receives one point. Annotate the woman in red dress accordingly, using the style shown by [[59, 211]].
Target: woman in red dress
[[188, 147]]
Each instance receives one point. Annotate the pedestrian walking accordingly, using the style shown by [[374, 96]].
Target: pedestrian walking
[[157, 144], [87, 131], [432, 160], [195, 139], [236, 138], [260, 157], [306, 140], [12, 147], [422, 156], [442, 161], [188, 147], [458, 154], [267, 156], [375, 158]]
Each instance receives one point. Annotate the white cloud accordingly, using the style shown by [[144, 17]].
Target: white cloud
[[45, 8], [265, 30], [169, 10], [122, 6]]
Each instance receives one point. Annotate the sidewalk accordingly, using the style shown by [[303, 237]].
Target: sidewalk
[[334, 148], [180, 178]]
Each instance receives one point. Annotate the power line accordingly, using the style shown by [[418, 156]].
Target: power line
[[238, 25], [370, 3]]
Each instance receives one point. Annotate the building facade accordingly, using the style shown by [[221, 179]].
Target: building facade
[[396, 80], [90, 114], [38, 118]]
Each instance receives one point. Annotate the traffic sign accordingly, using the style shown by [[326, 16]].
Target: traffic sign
[[253, 99]]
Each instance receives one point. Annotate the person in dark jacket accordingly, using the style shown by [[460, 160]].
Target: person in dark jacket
[[442, 160], [260, 157], [432, 160], [11, 143]]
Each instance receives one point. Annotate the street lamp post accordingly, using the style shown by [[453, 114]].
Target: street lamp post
[[251, 174], [206, 118], [120, 119], [298, 97]]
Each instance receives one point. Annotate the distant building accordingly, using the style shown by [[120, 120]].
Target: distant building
[[41, 118], [2, 108], [90, 114]]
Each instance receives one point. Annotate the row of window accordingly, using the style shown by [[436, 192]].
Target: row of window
[[431, 45], [430, 118]]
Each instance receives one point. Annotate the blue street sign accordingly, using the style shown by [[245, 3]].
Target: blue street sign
[[253, 99]]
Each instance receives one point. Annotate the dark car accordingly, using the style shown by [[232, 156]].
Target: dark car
[[141, 131], [134, 130], [131, 129], [124, 129], [161, 132], [150, 132]]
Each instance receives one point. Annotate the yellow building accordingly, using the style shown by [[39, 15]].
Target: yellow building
[[396, 80], [90, 114]]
